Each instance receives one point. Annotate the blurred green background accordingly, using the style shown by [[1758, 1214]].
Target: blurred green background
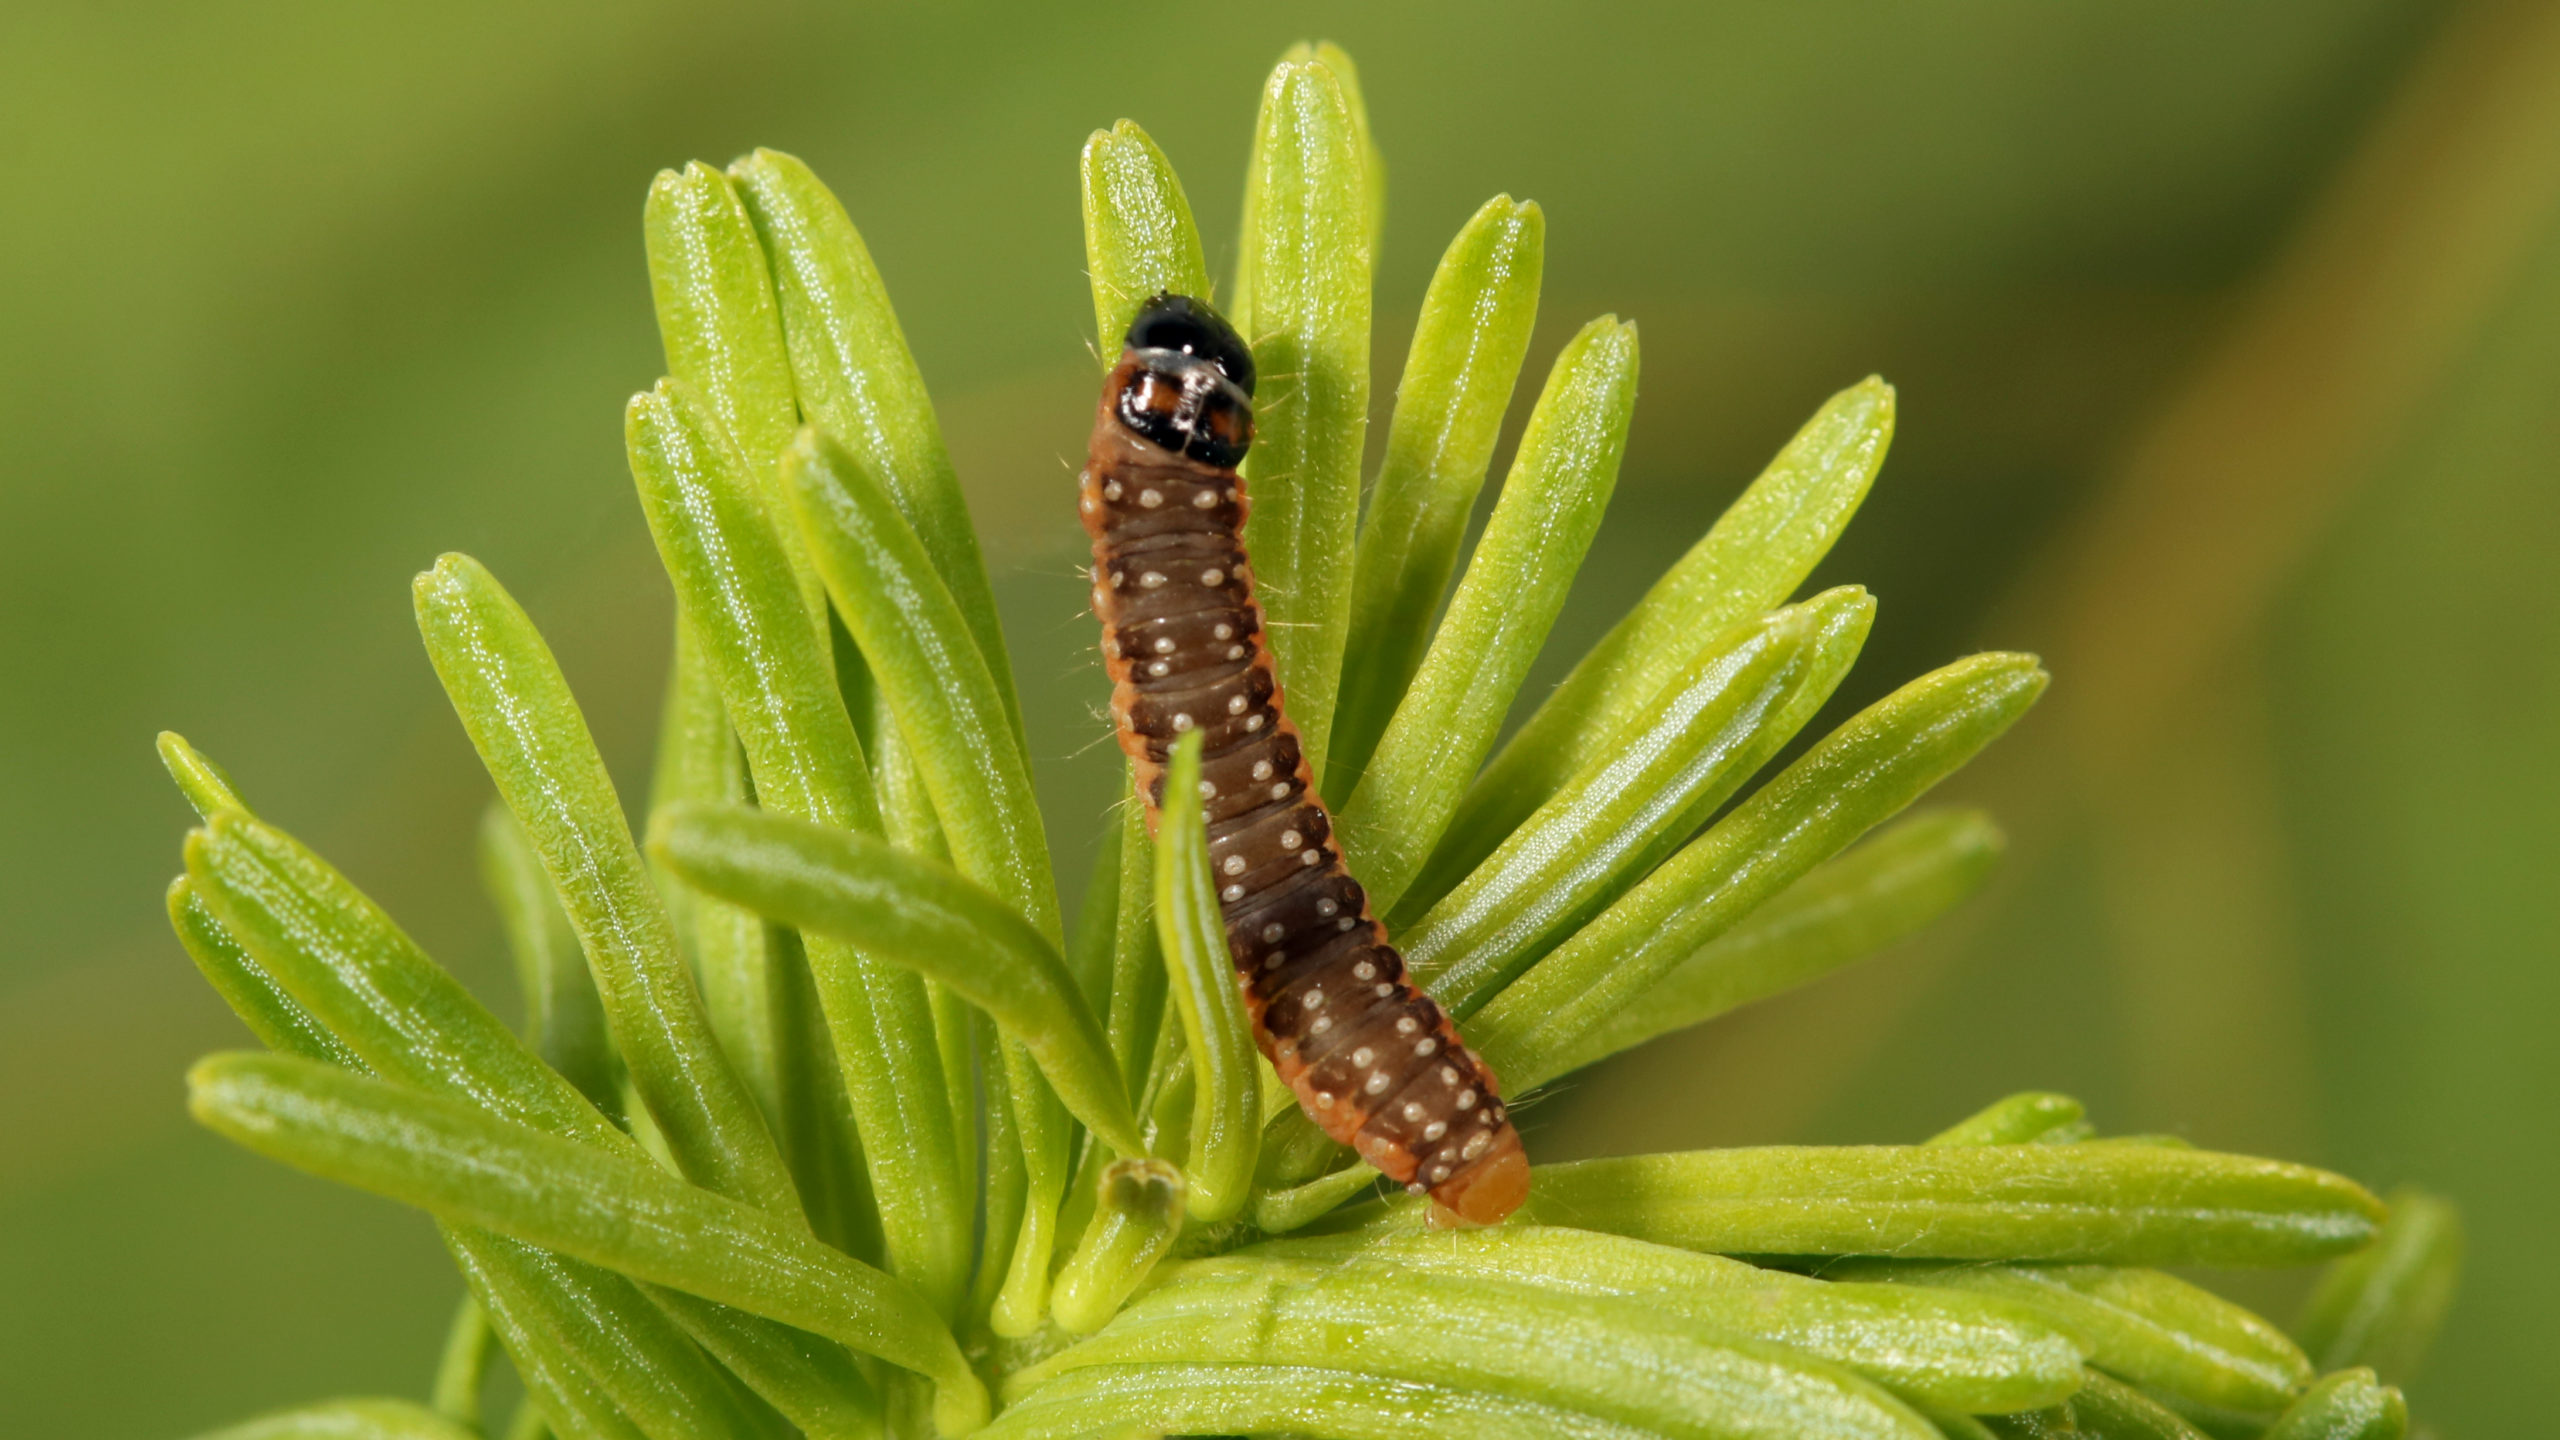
[[2227, 338]]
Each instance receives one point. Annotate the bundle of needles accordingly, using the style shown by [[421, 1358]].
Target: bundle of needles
[[822, 1122]]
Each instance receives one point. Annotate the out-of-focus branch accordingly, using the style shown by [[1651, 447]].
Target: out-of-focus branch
[[2391, 275]]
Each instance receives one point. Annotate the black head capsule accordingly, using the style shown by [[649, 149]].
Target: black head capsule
[[1179, 323], [1188, 381]]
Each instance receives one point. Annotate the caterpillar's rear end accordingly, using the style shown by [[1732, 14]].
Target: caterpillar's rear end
[[1371, 1058]]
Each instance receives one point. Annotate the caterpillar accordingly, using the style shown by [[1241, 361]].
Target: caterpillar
[[1371, 1059]]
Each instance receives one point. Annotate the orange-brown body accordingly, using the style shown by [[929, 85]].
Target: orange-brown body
[[1371, 1059]]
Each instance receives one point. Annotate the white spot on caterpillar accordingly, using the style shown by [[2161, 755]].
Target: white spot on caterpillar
[[1253, 722], [1413, 1109], [1439, 1173], [1261, 769], [1377, 1082], [1467, 1098], [1280, 792], [1475, 1145], [1291, 839], [1097, 597], [1164, 645], [1151, 579], [1364, 972], [1426, 1046], [1385, 989], [1310, 857], [1233, 865], [1448, 1075], [1435, 1129], [1405, 1024], [1312, 1000], [1223, 631], [1151, 498], [1213, 577], [1344, 923], [1323, 1023], [1272, 932], [1208, 791], [1416, 1187], [1235, 652], [1084, 504], [1111, 490], [1361, 1057], [1159, 669], [1327, 905], [1493, 1113], [1324, 1097], [1181, 720], [1236, 704], [1232, 894], [1205, 499]]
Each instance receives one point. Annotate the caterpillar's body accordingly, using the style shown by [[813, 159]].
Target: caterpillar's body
[[1371, 1058]]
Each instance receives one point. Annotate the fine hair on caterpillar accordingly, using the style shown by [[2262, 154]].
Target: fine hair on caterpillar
[[1370, 1057]]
